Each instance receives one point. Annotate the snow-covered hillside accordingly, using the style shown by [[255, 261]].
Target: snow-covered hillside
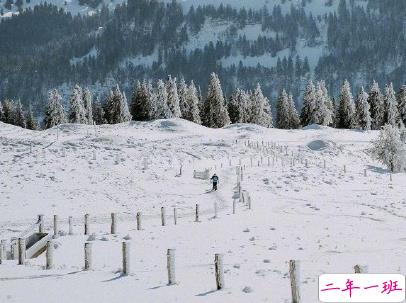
[[329, 218]]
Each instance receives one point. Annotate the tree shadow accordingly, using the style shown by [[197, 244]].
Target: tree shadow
[[378, 170]]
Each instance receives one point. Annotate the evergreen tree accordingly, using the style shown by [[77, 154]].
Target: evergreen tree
[[401, 97], [140, 102], [173, 98], [309, 105], [391, 104], [160, 102], [215, 113], [98, 113], [329, 117], [19, 118], [183, 98], [260, 108], [238, 106], [88, 106], [293, 114], [31, 122], [346, 108], [54, 113], [283, 120], [377, 106], [77, 110], [8, 112], [116, 108], [1, 113], [192, 99], [363, 110]]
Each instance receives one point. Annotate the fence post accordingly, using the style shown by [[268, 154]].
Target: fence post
[[175, 216], [170, 257], [197, 213], [163, 219], [294, 285], [139, 220], [87, 227], [126, 258], [50, 255], [365, 172], [88, 256], [215, 210], [113, 223], [357, 269], [218, 264], [324, 163], [70, 219], [234, 204], [345, 168], [249, 201], [2, 255], [41, 224], [14, 249], [21, 251], [56, 227]]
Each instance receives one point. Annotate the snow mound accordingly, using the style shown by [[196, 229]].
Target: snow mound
[[318, 145], [315, 127]]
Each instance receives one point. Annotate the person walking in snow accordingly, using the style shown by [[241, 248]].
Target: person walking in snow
[[215, 180]]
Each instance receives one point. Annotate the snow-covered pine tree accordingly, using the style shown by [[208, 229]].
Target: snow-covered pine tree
[[377, 106], [363, 110], [390, 149], [329, 115], [116, 109], [293, 114], [173, 98], [391, 105], [183, 101], [309, 105], [192, 99], [401, 97], [8, 111], [54, 112], [1, 113], [98, 112], [283, 119], [260, 108], [77, 109], [346, 108], [31, 122], [321, 115], [238, 106], [19, 117], [160, 102], [215, 113], [140, 102], [88, 106]]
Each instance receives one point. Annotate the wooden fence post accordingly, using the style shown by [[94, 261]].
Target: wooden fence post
[[324, 163], [2, 254], [175, 216], [113, 223], [365, 172], [234, 204], [163, 219], [294, 283], [249, 201], [170, 257], [21, 251], [56, 227], [218, 264], [87, 227], [139, 220], [50, 255], [88, 256], [70, 222], [197, 213], [41, 224], [126, 258]]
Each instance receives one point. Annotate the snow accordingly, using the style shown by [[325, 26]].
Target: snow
[[328, 219], [91, 54]]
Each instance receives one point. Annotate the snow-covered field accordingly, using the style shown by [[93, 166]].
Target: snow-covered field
[[327, 218]]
